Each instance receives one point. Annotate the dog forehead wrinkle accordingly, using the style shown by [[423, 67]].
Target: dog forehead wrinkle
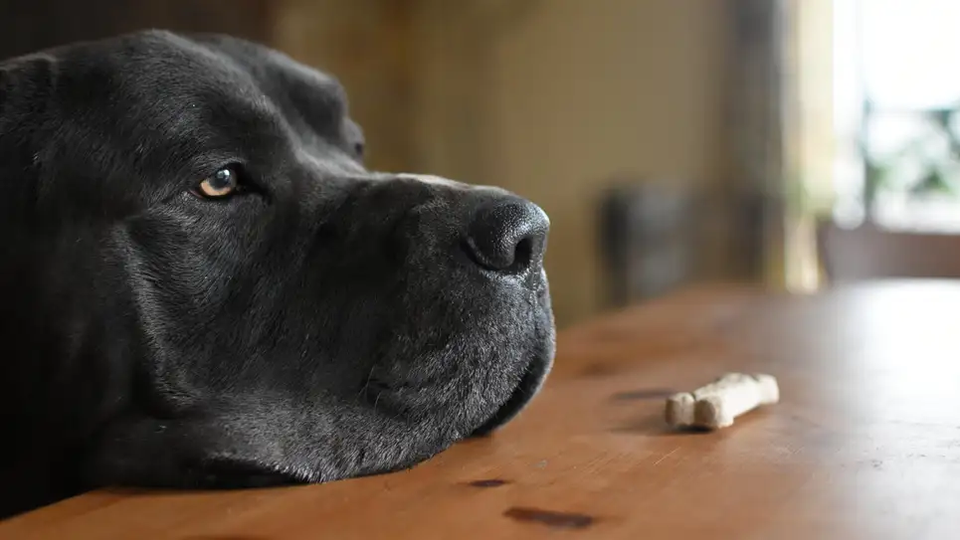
[[334, 164], [324, 87], [311, 98], [201, 86], [266, 63]]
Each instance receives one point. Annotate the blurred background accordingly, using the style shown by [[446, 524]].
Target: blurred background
[[789, 143]]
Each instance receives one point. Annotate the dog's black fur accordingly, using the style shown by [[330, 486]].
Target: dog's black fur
[[324, 322]]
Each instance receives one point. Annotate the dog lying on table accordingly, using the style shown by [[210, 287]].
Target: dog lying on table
[[203, 287]]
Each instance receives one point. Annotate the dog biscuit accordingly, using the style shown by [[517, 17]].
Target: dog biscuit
[[717, 404]]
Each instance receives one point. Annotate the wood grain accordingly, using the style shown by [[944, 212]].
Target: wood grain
[[864, 444]]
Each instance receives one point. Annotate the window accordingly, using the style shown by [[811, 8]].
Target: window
[[897, 112]]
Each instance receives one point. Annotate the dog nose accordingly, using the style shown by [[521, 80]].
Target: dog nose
[[508, 235]]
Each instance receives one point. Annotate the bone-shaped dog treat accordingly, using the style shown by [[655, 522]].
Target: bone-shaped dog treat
[[717, 404]]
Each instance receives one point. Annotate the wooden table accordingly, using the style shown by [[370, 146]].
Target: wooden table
[[864, 444]]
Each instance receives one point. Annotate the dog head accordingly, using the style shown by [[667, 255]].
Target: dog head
[[203, 286]]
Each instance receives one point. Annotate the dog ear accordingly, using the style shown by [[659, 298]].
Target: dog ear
[[26, 84], [26, 88]]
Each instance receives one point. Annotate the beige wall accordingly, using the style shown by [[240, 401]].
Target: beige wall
[[568, 93], [366, 44], [549, 98]]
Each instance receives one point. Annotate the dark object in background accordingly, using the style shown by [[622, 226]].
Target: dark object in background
[[646, 235], [656, 237]]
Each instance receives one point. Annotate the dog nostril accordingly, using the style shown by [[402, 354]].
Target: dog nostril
[[508, 235], [523, 254]]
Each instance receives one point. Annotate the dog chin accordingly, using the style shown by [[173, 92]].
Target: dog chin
[[540, 362], [530, 384]]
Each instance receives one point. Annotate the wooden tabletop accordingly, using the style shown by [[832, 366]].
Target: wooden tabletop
[[865, 442]]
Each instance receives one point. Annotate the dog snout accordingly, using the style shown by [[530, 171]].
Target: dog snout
[[508, 235]]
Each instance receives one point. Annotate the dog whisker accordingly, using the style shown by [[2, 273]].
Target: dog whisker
[[366, 383]]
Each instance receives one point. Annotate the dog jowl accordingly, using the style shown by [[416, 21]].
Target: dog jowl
[[201, 285]]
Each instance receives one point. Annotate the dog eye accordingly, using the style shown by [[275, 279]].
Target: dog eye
[[223, 183]]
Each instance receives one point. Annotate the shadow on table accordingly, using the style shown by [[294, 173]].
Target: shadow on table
[[653, 425]]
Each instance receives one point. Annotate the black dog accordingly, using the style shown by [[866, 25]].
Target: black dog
[[202, 286]]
